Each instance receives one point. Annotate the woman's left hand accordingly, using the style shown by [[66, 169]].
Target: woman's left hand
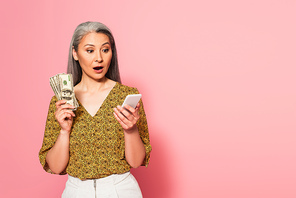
[[127, 117]]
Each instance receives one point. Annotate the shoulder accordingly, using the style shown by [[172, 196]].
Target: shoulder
[[126, 89], [52, 102], [53, 99]]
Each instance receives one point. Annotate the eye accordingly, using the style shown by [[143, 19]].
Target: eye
[[90, 51], [105, 50]]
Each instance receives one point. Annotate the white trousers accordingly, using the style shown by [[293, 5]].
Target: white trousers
[[114, 186]]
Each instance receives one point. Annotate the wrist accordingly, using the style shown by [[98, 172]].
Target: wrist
[[64, 132], [131, 131], [64, 137]]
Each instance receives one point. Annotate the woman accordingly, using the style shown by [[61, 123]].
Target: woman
[[97, 144]]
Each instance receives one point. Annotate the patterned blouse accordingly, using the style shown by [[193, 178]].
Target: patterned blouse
[[97, 147]]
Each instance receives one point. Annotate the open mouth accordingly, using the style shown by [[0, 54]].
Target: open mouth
[[98, 68]]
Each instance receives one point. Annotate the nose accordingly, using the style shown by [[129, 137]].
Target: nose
[[98, 57]]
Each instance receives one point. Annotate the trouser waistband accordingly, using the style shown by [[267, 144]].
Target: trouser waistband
[[111, 179]]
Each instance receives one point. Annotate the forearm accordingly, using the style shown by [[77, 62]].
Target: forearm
[[134, 148], [57, 157]]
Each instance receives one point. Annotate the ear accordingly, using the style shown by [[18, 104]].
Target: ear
[[74, 54]]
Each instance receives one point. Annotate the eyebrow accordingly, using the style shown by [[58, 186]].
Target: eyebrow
[[94, 45]]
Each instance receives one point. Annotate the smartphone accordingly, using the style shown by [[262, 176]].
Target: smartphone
[[132, 100]]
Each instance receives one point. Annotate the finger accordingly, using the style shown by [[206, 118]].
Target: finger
[[65, 113], [128, 123], [120, 121], [69, 112], [125, 120], [66, 106], [68, 116], [129, 108], [119, 114], [62, 109], [138, 106], [133, 111], [125, 123], [60, 102], [64, 116], [126, 112]]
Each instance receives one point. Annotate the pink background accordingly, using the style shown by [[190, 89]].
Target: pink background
[[218, 84]]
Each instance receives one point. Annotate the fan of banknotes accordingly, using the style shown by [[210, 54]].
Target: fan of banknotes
[[62, 86]]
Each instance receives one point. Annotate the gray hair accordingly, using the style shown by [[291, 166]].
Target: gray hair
[[82, 30]]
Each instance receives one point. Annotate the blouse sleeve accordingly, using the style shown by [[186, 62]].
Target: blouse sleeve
[[52, 130], [143, 131]]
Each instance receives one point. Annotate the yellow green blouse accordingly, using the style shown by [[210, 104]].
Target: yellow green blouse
[[97, 147]]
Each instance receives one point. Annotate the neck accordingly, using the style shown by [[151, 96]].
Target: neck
[[91, 85]]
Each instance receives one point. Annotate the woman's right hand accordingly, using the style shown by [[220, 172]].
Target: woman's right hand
[[64, 115]]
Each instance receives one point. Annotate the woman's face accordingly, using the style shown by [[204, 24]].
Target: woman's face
[[94, 55]]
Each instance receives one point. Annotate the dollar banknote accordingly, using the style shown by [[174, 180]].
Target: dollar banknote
[[62, 86]]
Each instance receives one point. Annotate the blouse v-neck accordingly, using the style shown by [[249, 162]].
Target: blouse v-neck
[[103, 103]]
